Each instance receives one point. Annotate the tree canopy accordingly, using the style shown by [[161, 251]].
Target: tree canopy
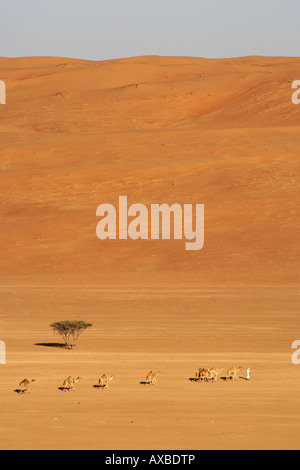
[[70, 330]]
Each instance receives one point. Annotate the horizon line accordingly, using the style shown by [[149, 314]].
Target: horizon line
[[251, 56]]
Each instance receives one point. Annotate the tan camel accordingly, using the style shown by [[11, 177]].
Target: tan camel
[[25, 384], [233, 373], [203, 375], [214, 373], [104, 381], [69, 383], [151, 377]]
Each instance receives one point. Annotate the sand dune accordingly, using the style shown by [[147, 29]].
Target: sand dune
[[75, 134]]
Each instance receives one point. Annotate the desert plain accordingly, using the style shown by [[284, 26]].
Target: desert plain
[[75, 134]]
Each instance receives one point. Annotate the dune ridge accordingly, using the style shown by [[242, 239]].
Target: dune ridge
[[76, 134]]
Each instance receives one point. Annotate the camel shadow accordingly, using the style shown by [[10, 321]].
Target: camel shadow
[[230, 379], [99, 386], [193, 379], [52, 345], [19, 391], [64, 389]]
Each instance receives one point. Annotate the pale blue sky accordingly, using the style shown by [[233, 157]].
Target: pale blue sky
[[108, 29]]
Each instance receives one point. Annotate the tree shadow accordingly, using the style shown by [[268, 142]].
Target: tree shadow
[[52, 345]]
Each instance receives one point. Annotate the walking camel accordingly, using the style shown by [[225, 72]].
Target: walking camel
[[151, 378], [208, 375], [104, 381], [69, 383], [214, 373], [233, 374], [25, 384], [203, 375]]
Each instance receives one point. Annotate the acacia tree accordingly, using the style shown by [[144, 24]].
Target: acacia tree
[[70, 330]]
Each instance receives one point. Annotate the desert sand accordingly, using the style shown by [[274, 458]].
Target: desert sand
[[75, 134]]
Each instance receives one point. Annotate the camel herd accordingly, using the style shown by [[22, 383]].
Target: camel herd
[[202, 375], [211, 375]]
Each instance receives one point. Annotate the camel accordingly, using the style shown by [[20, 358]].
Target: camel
[[25, 384], [208, 375], [233, 374], [214, 373], [104, 381], [203, 375], [151, 377], [69, 383]]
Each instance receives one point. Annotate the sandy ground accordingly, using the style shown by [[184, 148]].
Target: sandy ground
[[175, 332], [76, 134]]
